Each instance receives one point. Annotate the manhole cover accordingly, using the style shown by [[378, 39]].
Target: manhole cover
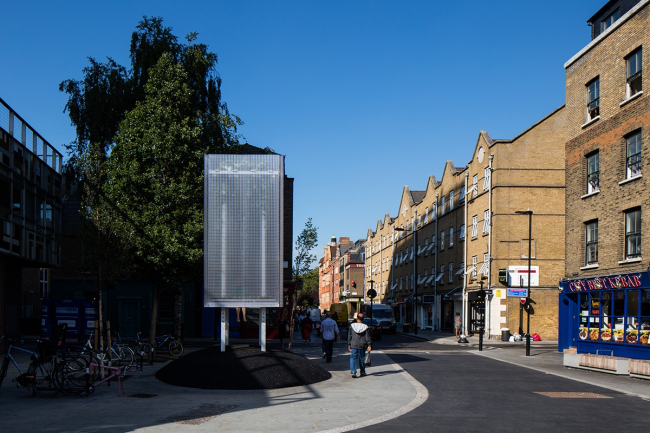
[[572, 395], [142, 395], [200, 414]]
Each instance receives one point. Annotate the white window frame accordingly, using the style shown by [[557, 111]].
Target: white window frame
[[442, 206], [593, 99], [486, 180], [461, 234], [474, 263], [486, 222], [426, 215], [593, 173], [474, 225], [635, 76], [475, 185], [486, 264], [434, 211], [462, 194], [633, 168], [451, 200]]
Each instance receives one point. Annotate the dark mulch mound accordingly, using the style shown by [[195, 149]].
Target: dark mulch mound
[[241, 368]]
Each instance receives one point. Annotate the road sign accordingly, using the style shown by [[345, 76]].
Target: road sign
[[523, 300], [517, 293]]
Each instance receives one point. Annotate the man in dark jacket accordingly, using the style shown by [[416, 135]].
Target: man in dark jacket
[[359, 339]]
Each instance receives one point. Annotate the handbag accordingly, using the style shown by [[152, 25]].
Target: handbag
[[367, 361]]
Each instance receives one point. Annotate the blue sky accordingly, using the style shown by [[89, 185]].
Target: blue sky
[[363, 97]]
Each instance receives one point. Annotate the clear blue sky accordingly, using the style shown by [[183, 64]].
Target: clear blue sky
[[363, 97]]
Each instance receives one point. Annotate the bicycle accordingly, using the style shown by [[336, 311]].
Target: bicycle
[[121, 354], [143, 349], [43, 374], [174, 347]]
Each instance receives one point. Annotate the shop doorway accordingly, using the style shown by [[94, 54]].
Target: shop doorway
[[447, 323]]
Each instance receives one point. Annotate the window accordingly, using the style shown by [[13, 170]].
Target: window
[[442, 206], [419, 220], [426, 246], [434, 211], [486, 222], [451, 272], [592, 172], [426, 215], [607, 22], [474, 225], [442, 240], [442, 272], [486, 179], [486, 264], [451, 237], [593, 99], [633, 234], [461, 234], [475, 185], [592, 243], [474, 263], [633, 145], [451, 200], [633, 73], [433, 243], [44, 282], [462, 194]]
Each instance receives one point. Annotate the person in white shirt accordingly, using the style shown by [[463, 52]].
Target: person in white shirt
[[330, 331]]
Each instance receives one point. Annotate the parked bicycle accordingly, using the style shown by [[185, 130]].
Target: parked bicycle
[[144, 348], [43, 374], [120, 353]]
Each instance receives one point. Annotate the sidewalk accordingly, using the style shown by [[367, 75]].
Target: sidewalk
[[544, 357]]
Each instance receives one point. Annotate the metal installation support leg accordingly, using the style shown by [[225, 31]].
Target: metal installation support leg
[[224, 329], [263, 329]]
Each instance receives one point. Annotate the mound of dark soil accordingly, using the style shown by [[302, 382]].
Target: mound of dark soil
[[241, 368]]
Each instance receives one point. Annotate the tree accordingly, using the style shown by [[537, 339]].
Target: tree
[[155, 181], [308, 295], [306, 241], [97, 106]]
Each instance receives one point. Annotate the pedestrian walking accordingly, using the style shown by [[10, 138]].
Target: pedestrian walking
[[458, 324], [306, 328], [330, 331], [359, 340]]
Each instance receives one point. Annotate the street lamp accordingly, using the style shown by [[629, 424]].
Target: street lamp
[[530, 229], [415, 275]]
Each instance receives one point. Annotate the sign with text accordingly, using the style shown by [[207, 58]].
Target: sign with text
[[518, 293], [518, 276]]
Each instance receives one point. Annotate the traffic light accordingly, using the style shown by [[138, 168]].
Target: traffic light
[[353, 284]]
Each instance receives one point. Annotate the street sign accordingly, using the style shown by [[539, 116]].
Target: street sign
[[523, 300], [517, 293]]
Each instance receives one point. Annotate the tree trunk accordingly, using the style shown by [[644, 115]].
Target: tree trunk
[[178, 311]]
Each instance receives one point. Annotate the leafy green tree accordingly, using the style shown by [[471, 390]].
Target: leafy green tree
[[306, 241], [155, 181], [98, 104], [308, 294]]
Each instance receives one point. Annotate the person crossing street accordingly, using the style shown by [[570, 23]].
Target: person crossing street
[[359, 340]]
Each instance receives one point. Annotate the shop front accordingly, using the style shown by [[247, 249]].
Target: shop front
[[606, 315], [428, 303]]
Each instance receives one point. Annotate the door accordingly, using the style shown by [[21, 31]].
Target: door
[[129, 317], [447, 315]]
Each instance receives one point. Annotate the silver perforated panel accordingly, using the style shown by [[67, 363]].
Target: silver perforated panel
[[243, 230]]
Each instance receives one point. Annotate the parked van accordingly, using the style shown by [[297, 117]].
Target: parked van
[[383, 314], [342, 313]]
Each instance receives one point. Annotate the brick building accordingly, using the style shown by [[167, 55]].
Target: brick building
[[30, 215], [606, 294], [330, 270], [444, 245]]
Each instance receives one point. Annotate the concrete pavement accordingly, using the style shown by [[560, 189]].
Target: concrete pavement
[[336, 405]]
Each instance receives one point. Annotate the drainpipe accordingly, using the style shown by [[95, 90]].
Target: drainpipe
[[465, 258], [489, 284], [435, 267]]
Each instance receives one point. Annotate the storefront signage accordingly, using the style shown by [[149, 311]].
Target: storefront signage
[[607, 283], [428, 299]]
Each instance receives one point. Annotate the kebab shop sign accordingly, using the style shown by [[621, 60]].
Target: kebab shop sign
[[607, 283]]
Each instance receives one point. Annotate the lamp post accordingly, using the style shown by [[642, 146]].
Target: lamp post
[[415, 275], [530, 241]]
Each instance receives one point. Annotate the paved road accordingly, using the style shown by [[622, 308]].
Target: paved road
[[472, 393]]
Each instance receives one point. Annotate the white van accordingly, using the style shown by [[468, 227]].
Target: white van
[[383, 314]]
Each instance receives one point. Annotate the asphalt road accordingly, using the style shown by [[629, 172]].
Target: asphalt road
[[470, 393]]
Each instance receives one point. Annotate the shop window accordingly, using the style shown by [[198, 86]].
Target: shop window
[[592, 243], [633, 73], [593, 99], [593, 172], [633, 152], [633, 234]]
